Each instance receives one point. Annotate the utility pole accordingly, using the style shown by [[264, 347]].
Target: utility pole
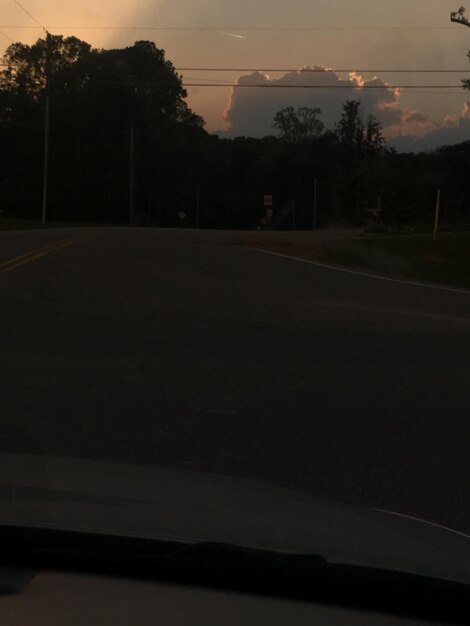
[[47, 113], [132, 161], [131, 175], [315, 200], [47, 125], [436, 219], [198, 208]]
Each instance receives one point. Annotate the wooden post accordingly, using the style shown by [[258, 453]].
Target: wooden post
[[315, 201], [436, 219]]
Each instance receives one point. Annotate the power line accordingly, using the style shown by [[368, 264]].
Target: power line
[[202, 78], [231, 28], [309, 70], [6, 37], [458, 88], [442, 93], [444, 89], [358, 87], [306, 70], [280, 86], [417, 89], [30, 15]]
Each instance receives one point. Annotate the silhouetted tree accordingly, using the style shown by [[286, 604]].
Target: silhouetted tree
[[374, 138], [298, 125], [26, 65], [350, 128], [97, 96], [353, 134]]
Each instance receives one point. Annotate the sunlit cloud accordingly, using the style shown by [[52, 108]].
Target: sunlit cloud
[[420, 133], [250, 112]]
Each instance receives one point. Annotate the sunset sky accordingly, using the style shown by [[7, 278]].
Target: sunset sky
[[337, 34]]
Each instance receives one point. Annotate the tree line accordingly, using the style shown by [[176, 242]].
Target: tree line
[[124, 145]]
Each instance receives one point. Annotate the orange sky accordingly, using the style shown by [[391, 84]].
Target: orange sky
[[379, 34]]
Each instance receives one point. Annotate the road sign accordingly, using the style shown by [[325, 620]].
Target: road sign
[[268, 200]]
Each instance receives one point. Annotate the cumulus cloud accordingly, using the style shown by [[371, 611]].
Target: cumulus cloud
[[250, 112], [453, 129]]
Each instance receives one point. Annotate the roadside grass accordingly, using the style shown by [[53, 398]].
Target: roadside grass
[[446, 261], [415, 256], [12, 223], [418, 257]]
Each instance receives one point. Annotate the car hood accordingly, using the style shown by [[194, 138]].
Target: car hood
[[165, 504]]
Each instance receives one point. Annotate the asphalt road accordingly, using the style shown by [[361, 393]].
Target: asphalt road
[[188, 350]]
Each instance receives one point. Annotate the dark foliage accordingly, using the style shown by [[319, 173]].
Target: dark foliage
[[183, 175]]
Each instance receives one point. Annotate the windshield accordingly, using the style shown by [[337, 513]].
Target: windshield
[[234, 241]]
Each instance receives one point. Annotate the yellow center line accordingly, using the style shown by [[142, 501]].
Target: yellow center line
[[29, 254], [33, 255]]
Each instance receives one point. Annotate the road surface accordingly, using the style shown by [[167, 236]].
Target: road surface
[[186, 349]]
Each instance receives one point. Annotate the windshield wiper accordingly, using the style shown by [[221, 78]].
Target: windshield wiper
[[306, 577]]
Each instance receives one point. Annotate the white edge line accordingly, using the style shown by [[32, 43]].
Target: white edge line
[[344, 270], [417, 519]]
